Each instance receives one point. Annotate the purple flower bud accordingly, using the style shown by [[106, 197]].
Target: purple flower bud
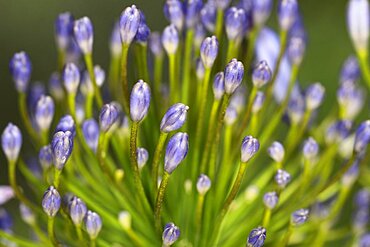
[[6, 193], [44, 112], [362, 137], [55, 86], [199, 35], [208, 16], [61, 146], [66, 123], [296, 107], [155, 44], [350, 70], [358, 23], [71, 78], [270, 199], [51, 201], [249, 148], [314, 96], [261, 74], [90, 130], [93, 224], [77, 210], [20, 67], [310, 148], [362, 198], [46, 157], [115, 41], [276, 151], [174, 118], [258, 102], [350, 98], [6, 222], [170, 234], [203, 184], [99, 75], [170, 39], [287, 13], [83, 31], [296, 49], [299, 217], [139, 101], [209, 51], [261, 11], [63, 30], [256, 237], [234, 72], [11, 141], [199, 70], [235, 23], [176, 151], [108, 117], [282, 178], [174, 12], [129, 24], [142, 157], [143, 32], [193, 8], [338, 131], [219, 85]]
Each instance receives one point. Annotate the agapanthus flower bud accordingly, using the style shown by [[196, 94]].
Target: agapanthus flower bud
[[199, 35], [63, 30], [20, 67], [174, 118], [99, 75], [44, 112], [362, 138], [296, 107], [125, 220], [350, 70], [199, 69], [61, 147], [249, 148], [222, 4], [6, 193], [234, 72], [256, 237], [231, 116], [46, 157], [129, 23], [261, 11], [270, 199], [6, 223], [358, 23], [108, 117], [77, 210], [203, 184], [176, 151], [174, 12], [115, 41], [142, 34], [258, 102], [26, 214], [350, 98], [51, 201], [310, 148], [170, 234], [208, 15], [93, 224], [55, 86], [362, 198], [299, 217], [282, 178], [71, 78], [193, 8], [155, 44], [170, 39], [209, 51], [276, 151], [261, 74], [139, 101], [142, 157], [364, 240], [11, 142], [66, 123], [34, 93], [287, 13], [90, 130], [219, 85], [296, 49], [314, 96], [235, 23], [84, 34], [338, 131]]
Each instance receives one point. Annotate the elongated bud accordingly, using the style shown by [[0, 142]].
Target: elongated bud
[[170, 39], [155, 44], [139, 101], [314, 96], [261, 11], [276, 151], [143, 33], [299, 217], [258, 102], [115, 41], [176, 151], [287, 13], [338, 131], [51, 201], [234, 73], [129, 24], [350, 98], [63, 30], [310, 148], [256, 237], [174, 118], [66, 123], [174, 13], [26, 214], [199, 69], [350, 70], [362, 138], [193, 8], [108, 117], [170, 234], [249, 148], [44, 112], [261, 74], [90, 130], [93, 224], [208, 16], [71, 78], [209, 51], [296, 49], [270, 199], [99, 75], [20, 68], [46, 157], [235, 23], [219, 85], [77, 210], [282, 178], [125, 220], [142, 157], [203, 184], [55, 86], [358, 23], [6, 193], [84, 34], [61, 146], [11, 142]]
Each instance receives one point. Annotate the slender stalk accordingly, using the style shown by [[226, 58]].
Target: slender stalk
[[159, 200], [198, 217], [284, 242], [79, 233], [92, 243], [364, 65], [61, 59], [158, 71], [51, 231], [124, 80], [247, 114], [187, 61], [157, 156], [114, 76], [231, 50], [57, 173], [266, 217], [72, 104], [219, 23], [142, 56], [22, 102], [172, 74], [89, 100], [90, 69], [251, 43]]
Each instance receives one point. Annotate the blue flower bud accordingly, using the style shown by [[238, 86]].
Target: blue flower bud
[[142, 157], [108, 117], [129, 24], [234, 72], [11, 142], [77, 210], [364, 240], [350, 98], [176, 151], [6, 221], [261, 11], [235, 23], [20, 67], [193, 8], [139, 101], [209, 51], [170, 234], [44, 112], [208, 16], [26, 214], [261, 74], [219, 85], [115, 41], [174, 118], [249, 148], [350, 70], [222, 4], [362, 198], [63, 30], [314, 96], [55, 86], [270, 199], [258, 102], [276, 151], [51, 201], [143, 32], [256, 237], [86, 86], [296, 106], [73, 53], [46, 157], [155, 44], [93, 224], [34, 93], [296, 49], [174, 13], [71, 78], [362, 138], [231, 116], [299, 217], [338, 131], [83, 32], [358, 23], [66, 123], [6, 193], [203, 184], [61, 146], [99, 75], [282, 178], [310, 148], [170, 39], [287, 13], [90, 130]]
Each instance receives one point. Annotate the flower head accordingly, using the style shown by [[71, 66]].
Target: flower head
[[66, 123], [282, 178], [258, 102], [61, 147], [11, 142], [236, 23], [209, 51], [249, 148], [270, 199], [234, 73], [192, 11], [219, 85], [46, 156], [362, 136], [174, 118], [84, 34], [125, 220], [51, 201], [310, 148], [155, 44], [287, 13], [208, 15], [276, 151], [176, 151], [108, 117], [314, 96], [115, 41], [261, 11], [174, 12], [129, 24], [20, 68], [139, 101], [71, 78], [170, 234]]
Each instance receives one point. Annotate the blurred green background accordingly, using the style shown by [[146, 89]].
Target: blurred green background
[[29, 25]]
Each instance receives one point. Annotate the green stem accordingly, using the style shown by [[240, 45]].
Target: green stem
[[89, 105], [18, 240], [231, 50], [92, 243], [247, 114], [57, 174], [219, 23], [90, 69], [114, 76], [72, 104], [187, 62], [124, 80], [79, 233], [61, 59], [157, 156], [364, 65], [172, 75], [159, 200], [51, 231], [158, 71], [142, 56], [198, 217], [266, 217], [286, 237], [250, 50], [22, 102]]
